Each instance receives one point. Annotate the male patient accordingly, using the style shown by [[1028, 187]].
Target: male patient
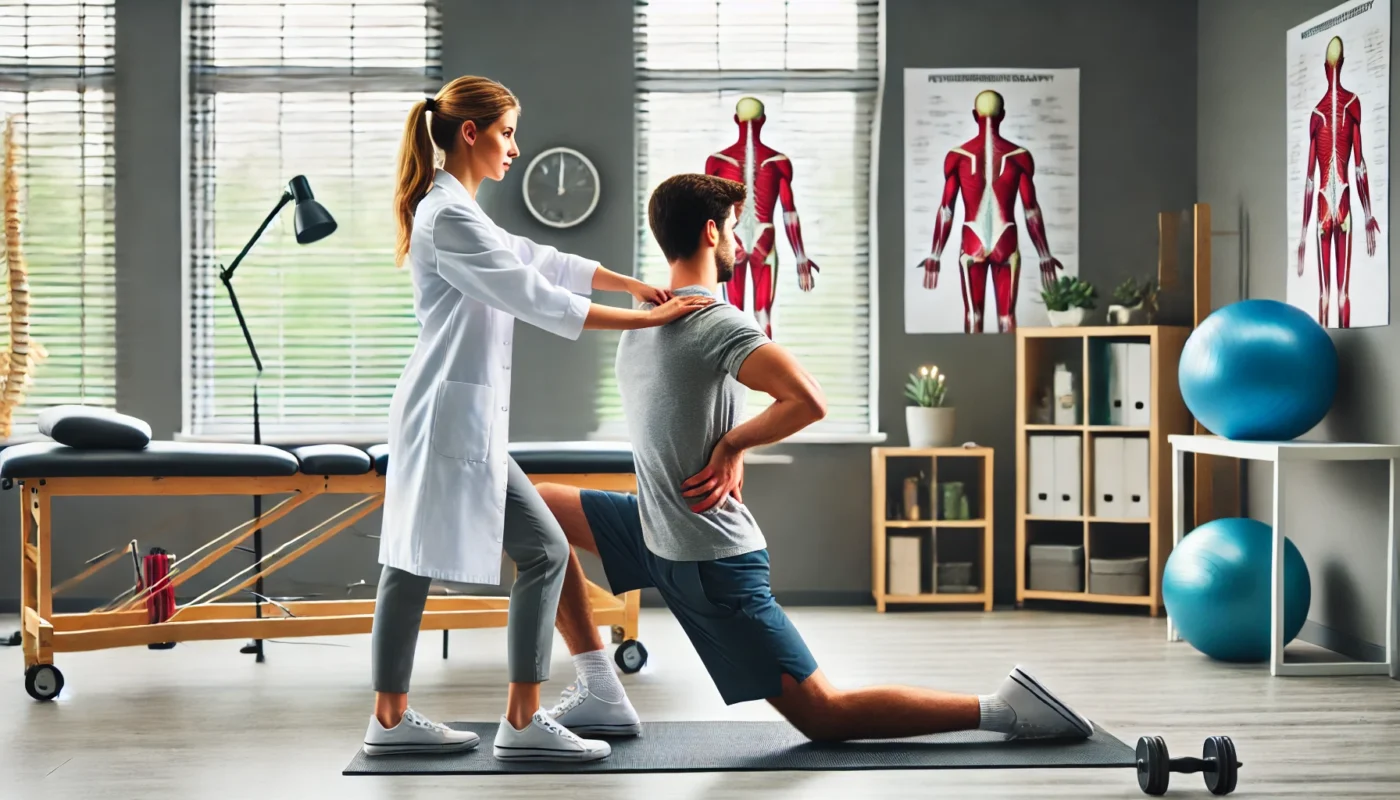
[[688, 533]]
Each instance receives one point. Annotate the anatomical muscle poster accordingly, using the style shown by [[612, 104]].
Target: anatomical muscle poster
[[991, 195], [1338, 116]]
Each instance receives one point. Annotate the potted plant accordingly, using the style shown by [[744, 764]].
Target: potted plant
[[930, 423], [1134, 303], [1067, 300]]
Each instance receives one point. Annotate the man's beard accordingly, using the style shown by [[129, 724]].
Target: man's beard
[[724, 262]]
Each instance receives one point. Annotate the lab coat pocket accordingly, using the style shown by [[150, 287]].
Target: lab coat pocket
[[462, 420]]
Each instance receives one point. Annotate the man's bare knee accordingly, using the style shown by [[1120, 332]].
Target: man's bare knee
[[556, 495], [812, 707], [566, 506], [818, 721]]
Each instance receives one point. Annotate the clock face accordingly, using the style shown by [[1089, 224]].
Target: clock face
[[561, 187]]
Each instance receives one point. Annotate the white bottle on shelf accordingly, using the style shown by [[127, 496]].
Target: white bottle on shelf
[[1065, 398]]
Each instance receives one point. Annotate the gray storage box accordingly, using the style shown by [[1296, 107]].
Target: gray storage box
[[1119, 576], [1056, 568], [954, 574]]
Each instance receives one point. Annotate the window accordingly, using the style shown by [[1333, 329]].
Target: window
[[56, 70], [814, 65], [321, 89]]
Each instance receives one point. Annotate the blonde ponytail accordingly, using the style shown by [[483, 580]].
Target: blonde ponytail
[[415, 174], [480, 100]]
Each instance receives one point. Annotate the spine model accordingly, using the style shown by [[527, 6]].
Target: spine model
[[23, 356]]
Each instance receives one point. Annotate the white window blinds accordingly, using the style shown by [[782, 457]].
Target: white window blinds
[[814, 65], [320, 89], [56, 70]]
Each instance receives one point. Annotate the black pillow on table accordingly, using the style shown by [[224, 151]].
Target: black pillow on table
[[94, 428]]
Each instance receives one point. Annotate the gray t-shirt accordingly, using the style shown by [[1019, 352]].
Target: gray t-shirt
[[680, 397]]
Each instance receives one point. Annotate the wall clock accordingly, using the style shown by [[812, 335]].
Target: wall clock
[[561, 187]]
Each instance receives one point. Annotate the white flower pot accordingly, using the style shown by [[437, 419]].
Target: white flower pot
[[1127, 315], [929, 427], [1066, 319]]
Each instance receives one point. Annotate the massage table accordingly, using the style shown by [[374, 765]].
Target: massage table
[[47, 470]]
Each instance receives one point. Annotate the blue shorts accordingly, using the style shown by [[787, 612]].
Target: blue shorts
[[725, 606]]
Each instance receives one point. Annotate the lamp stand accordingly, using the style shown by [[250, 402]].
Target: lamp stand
[[254, 647]]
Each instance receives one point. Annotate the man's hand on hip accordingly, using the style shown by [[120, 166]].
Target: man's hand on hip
[[724, 475]]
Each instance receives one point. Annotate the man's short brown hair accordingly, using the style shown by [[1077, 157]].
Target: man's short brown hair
[[681, 206]]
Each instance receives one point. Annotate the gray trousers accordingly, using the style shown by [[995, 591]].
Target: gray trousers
[[535, 542]]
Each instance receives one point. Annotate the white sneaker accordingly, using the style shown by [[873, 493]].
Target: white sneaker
[[1039, 713], [546, 740], [416, 733], [587, 714]]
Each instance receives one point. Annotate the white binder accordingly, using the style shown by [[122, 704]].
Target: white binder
[[1108, 478], [1117, 383], [1139, 385], [1137, 485], [905, 561], [1068, 477], [1041, 502]]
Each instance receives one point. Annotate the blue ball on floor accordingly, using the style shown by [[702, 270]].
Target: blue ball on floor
[[1216, 588], [1259, 370]]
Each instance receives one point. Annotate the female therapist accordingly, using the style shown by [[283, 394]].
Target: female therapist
[[454, 498]]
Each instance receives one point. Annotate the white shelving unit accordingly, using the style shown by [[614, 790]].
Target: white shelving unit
[[1282, 455]]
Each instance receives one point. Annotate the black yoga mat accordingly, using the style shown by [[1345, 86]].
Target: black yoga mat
[[766, 747]]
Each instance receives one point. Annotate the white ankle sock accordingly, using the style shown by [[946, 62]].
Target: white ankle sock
[[996, 714], [596, 670]]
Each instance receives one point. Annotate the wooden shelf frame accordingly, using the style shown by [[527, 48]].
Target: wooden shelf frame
[[1169, 415], [882, 527]]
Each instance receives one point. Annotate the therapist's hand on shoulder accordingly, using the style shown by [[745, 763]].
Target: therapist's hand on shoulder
[[677, 307], [601, 317], [648, 294]]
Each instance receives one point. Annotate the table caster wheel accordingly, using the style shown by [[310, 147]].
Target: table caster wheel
[[1226, 775], [1153, 765], [631, 656], [43, 681], [619, 634]]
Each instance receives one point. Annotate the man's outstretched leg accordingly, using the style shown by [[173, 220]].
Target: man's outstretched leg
[[1021, 708], [754, 651], [597, 704]]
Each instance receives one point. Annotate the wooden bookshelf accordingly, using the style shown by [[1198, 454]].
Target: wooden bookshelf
[[969, 536], [1083, 349]]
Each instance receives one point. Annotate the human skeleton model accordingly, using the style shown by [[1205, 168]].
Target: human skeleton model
[[1334, 135], [767, 174], [988, 172]]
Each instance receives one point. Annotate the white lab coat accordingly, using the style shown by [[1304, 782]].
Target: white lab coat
[[449, 420]]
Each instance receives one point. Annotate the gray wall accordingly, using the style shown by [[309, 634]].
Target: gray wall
[[1138, 85], [1338, 513], [1137, 142]]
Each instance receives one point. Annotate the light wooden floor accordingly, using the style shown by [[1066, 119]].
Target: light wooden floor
[[203, 721]]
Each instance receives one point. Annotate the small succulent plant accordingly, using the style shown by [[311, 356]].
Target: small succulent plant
[[1069, 292], [926, 388]]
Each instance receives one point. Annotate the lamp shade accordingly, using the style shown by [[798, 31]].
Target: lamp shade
[[313, 221]]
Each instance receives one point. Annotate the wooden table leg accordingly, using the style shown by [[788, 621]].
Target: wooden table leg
[[28, 576], [632, 606], [41, 589]]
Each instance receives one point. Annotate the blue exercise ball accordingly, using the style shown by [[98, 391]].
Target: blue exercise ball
[[1259, 370], [1216, 588]]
